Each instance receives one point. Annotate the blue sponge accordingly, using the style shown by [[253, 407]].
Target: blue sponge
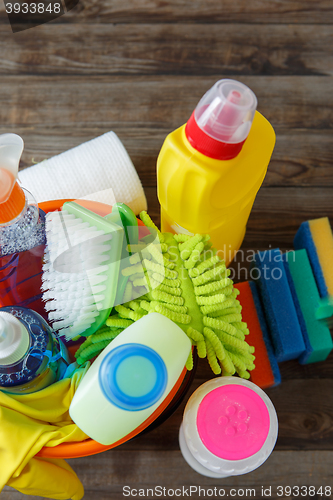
[[304, 239], [270, 351], [279, 306]]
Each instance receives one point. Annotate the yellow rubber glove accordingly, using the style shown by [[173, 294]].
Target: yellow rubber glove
[[27, 423], [48, 477]]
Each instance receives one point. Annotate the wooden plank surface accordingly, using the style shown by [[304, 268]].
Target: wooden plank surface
[[42, 109], [164, 49], [300, 158], [111, 471], [173, 11], [292, 102]]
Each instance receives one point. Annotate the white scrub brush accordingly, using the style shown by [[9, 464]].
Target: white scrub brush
[[81, 269]]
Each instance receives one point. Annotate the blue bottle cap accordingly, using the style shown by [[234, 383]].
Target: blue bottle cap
[[133, 377]]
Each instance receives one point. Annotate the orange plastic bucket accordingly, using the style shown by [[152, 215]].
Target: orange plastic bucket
[[89, 446]]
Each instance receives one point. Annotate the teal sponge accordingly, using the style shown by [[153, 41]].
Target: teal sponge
[[318, 335]]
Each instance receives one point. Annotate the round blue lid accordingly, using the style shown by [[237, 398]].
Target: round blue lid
[[133, 377]]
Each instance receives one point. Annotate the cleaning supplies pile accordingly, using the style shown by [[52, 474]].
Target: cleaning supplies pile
[[40, 418], [188, 283], [93, 268]]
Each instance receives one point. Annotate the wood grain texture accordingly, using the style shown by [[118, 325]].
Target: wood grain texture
[[59, 114], [300, 157], [288, 102], [210, 11], [110, 471], [164, 49]]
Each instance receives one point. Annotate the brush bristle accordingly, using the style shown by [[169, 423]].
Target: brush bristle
[[74, 277]]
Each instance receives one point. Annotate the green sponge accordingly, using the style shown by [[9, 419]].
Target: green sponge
[[318, 334]]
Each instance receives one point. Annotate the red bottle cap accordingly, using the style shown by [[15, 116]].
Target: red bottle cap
[[222, 120]]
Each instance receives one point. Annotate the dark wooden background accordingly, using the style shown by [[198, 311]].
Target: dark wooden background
[[139, 67]]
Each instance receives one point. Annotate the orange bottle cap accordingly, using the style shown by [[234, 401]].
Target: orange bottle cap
[[12, 197], [7, 180], [14, 205]]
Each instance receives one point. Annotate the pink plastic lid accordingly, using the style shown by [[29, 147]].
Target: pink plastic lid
[[233, 422]]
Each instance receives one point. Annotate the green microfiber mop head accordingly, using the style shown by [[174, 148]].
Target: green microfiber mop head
[[187, 282]]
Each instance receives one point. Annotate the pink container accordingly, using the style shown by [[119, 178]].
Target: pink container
[[229, 428]]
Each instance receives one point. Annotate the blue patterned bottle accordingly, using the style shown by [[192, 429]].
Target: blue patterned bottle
[[31, 357]]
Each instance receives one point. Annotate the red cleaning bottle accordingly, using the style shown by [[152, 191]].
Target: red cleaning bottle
[[22, 233]]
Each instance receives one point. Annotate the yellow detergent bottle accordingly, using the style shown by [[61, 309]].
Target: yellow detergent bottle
[[210, 169]]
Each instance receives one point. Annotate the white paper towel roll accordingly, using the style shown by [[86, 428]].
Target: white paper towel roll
[[98, 170]]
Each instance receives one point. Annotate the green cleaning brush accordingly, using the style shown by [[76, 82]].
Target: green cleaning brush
[[187, 282]]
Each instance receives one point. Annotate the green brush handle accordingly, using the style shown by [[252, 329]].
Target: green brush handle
[[128, 220], [123, 217]]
